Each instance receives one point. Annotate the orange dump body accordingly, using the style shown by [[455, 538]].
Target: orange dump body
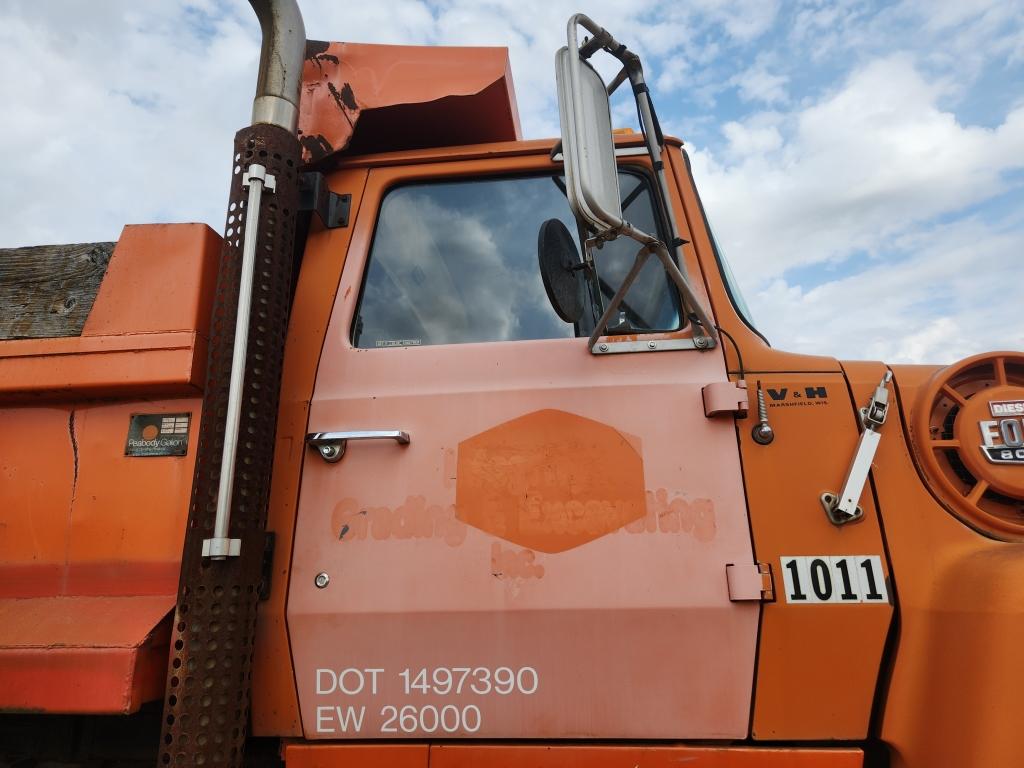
[[91, 537], [576, 559]]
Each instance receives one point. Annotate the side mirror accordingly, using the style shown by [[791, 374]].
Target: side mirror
[[592, 178], [561, 270]]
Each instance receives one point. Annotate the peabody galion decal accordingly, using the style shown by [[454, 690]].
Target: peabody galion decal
[[158, 434], [1002, 438]]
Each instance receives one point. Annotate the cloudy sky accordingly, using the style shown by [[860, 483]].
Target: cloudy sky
[[862, 162]]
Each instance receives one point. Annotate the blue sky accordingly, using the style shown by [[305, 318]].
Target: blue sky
[[862, 162]]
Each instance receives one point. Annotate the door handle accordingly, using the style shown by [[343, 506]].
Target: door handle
[[331, 445]]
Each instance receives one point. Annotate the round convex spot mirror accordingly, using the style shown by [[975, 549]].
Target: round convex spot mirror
[[561, 269]]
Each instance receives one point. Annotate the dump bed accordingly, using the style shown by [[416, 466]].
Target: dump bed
[[102, 361]]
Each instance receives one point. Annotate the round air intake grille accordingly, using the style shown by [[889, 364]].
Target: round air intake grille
[[968, 434]]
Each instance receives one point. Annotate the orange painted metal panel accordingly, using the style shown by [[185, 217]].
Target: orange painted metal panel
[[147, 331], [802, 691], [275, 709], [157, 364], [80, 517], [36, 476], [356, 755], [405, 599], [127, 509], [82, 654], [563, 756], [160, 278], [953, 696], [365, 97], [608, 756], [806, 689], [89, 558]]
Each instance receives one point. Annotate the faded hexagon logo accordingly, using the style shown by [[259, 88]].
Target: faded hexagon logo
[[550, 480]]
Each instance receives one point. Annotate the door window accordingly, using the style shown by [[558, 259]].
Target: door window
[[456, 261]]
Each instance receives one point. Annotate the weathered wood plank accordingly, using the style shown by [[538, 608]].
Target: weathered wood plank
[[48, 290]]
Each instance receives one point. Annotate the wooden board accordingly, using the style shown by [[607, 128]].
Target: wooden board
[[48, 290]]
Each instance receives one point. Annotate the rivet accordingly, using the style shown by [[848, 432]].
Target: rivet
[[322, 580], [603, 347], [652, 345]]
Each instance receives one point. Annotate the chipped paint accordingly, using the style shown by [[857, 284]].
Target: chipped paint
[[452, 95], [414, 519], [514, 564]]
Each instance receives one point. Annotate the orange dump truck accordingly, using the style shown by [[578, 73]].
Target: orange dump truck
[[460, 450]]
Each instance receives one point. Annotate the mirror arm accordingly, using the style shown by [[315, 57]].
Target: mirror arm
[[691, 305], [620, 295], [678, 277], [620, 78], [648, 246]]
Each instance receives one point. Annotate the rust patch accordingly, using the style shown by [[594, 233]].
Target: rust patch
[[549, 481], [315, 148], [315, 48], [345, 98], [348, 98]]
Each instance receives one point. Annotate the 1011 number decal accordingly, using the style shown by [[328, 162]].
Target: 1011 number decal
[[834, 579]]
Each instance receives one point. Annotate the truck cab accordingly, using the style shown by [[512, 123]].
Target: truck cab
[[512, 485]]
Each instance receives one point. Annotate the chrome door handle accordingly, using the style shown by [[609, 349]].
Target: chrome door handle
[[331, 445]]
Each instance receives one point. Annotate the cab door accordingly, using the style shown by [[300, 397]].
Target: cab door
[[546, 556]]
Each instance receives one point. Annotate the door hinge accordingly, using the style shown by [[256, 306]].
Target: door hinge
[[725, 397], [750, 582]]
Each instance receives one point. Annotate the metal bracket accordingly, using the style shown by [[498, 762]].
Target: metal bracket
[[829, 502], [654, 345], [842, 508], [702, 338], [256, 171], [750, 582], [314, 195], [220, 547]]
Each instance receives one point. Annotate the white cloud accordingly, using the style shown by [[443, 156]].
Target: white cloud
[[856, 168], [869, 169], [942, 299], [758, 84]]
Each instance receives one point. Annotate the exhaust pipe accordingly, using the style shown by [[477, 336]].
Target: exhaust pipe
[[281, 57], [206, 703]]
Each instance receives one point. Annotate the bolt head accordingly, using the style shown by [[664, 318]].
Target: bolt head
[[322, 580], [603, 347], [700, 342], [652, 345]]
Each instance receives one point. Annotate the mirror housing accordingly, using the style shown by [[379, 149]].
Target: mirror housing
[[592, 178]]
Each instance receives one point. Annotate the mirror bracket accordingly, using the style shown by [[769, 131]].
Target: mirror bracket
[[702, 338], [592, 173]]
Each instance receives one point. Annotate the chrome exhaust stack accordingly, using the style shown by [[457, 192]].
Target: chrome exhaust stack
[[281, 57], [227, 554]]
